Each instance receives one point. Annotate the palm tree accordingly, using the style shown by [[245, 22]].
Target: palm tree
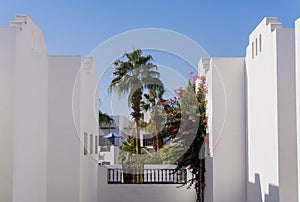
[[132, 76], [148, 104]]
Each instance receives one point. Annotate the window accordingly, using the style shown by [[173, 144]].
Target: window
[[105, 163], [91, 144], [32, 40], [36, 42], [256, 46], [105, 149], [96, 144], [252, 50], [148, 142], [104, 142], [260, 43], [85, 145]]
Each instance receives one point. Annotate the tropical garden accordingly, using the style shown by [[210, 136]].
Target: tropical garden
[[177, 125]]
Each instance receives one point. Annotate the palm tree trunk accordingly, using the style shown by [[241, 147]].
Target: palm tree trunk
[[136, 114], [137, 138], [155, 137], [135, 105], [155, 141]]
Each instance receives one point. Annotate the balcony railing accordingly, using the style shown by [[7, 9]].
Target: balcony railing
[[146, 176]]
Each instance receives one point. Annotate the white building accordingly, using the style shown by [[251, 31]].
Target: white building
[[41, 155], [49, 127], [253, 124], [110, 148]]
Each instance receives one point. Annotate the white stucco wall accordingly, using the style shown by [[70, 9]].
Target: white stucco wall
[[297, 54], [63, 141], [88, 124], [141, 192], [29, 113], [226, 169], [271, 112], [72, 176], [7, 59], [286, 89], [42, 158], [262, 113], [110, 156], [41, 155]]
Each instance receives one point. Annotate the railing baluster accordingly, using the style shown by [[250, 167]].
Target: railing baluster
[[108, 175], [166, 175], [150, 176], [147, 175], [179, 176], [158, 174]]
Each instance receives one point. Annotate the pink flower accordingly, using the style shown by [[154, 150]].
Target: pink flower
[[172, 130], [163, 102], [206, 142]]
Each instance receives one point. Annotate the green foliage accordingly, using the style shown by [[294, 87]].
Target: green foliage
[[129, 159], [136, 72], [132, 75], [169, 154], [104, 119], [127, 156], [170, 112], [193, 158], [186, 126], [129, 145]]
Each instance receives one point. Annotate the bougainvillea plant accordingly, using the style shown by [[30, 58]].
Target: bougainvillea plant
[[194, 157], [187, 123]]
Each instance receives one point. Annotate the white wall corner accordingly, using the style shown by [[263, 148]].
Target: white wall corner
[[22, 18], [19, 21], [204, 65], [268, 20], [272, 22], [274, 26], [17, 24], [88, 63]]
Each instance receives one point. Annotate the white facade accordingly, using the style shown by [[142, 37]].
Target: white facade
[[141, 192], [226, 168], [41, 155], [297, 54], [70, 172], [109, 154], [272, 149], [24, 87], [49, 127], [261, 101]]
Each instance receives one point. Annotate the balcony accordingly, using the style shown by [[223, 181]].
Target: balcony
[[146, 176]]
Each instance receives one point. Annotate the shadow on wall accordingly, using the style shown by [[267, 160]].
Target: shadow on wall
[[254, 192]]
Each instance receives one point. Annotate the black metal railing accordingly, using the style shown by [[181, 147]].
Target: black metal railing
[[146, 176]]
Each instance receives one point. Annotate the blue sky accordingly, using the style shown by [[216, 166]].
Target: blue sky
[[220, 27]]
